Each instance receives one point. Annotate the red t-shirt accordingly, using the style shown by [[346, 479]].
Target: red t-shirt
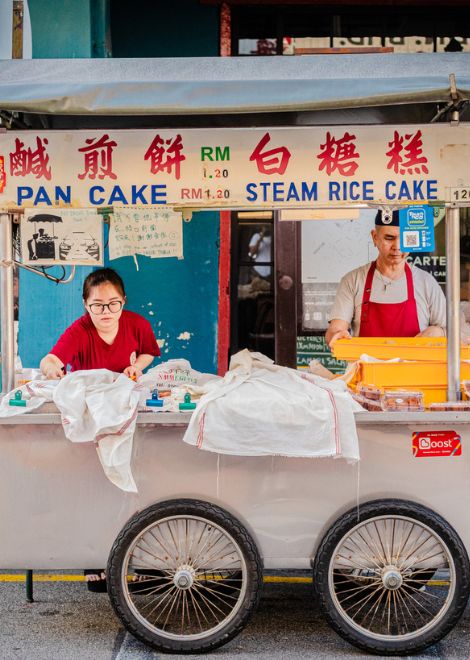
[[82, 347]]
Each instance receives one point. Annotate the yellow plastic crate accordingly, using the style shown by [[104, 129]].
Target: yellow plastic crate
[[399, 374], [427, 349]]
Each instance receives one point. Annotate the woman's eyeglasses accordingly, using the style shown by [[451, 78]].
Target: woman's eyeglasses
[[114, 307]]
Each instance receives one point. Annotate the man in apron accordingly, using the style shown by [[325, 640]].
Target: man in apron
[[387, 297]]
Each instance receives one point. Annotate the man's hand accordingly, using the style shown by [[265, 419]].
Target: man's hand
[[432, 331], [341, 334], [338, 329]]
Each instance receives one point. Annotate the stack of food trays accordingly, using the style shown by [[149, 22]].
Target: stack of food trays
[[413, 378], [376, 399], [455, 406]]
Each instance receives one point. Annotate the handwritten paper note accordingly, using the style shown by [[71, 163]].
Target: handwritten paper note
[[155, 233]]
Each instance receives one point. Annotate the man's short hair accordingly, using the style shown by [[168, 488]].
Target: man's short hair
[[382, 220]]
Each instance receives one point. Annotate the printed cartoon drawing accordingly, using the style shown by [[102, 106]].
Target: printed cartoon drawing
[[74, 237], [79, 245], [42, 244]]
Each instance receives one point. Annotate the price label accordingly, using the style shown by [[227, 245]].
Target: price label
[[461, 194]]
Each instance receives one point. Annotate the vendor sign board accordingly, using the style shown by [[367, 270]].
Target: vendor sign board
[[436, 443], [235, 168]]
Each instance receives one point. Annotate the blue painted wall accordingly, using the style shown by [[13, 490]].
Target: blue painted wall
[[61, 28], [176, 295]]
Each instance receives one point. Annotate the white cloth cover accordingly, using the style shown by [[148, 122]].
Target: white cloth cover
[[95, 405], [260, 409]]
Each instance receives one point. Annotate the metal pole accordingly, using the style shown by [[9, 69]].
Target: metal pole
[[29, 586], [7, 324], [453, 302]]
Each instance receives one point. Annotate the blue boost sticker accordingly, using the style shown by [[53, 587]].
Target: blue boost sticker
[[417, 229]]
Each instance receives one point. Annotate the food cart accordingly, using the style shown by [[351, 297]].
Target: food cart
[[386, 539]]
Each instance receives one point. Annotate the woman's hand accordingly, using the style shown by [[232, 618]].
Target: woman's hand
[[52, 367], [133, 372]]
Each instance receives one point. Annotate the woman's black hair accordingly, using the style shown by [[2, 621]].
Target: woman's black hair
[[102, 276]]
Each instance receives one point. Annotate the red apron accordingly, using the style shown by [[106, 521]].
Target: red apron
[[392, 319]]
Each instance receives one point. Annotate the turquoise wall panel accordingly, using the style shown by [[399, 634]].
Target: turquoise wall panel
[[45, 311], [178, 296], [60, 28]]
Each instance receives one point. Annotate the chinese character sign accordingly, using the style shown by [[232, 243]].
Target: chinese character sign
[[153, 233], [297, 167]]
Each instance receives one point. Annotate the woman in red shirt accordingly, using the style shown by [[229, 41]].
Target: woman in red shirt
[[107, 336]]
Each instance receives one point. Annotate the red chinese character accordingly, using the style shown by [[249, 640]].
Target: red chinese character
[[3, 174], [272, 161], [412, 157], [27, 161], [338, 155], [157, 151], [98, 158]]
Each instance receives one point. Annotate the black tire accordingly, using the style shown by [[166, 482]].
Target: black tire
[[431, 580], [204, 576]]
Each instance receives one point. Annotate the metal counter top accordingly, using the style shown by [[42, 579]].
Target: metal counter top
[[182, 419]]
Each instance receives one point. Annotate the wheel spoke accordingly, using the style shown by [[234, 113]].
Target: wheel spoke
[[371, 558], [216, 594]]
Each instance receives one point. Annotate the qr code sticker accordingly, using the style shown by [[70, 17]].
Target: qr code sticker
[[411, 239]]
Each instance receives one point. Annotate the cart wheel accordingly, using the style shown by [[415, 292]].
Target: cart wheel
[[184, 576], [394, 579]]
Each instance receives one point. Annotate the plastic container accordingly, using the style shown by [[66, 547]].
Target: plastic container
[[429, 349], [368, 404], [431, 393], [26, 375], [456, 406], [369, 392], [403, 401], [416, 373]]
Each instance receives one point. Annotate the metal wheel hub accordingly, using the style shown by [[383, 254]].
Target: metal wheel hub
[[392, 578], [184, 577]]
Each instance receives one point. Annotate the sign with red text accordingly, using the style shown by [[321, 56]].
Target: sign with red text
[[436, 443], [3, 177], [246, 168]]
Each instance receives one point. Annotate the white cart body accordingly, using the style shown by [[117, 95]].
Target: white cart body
[[58, 510]]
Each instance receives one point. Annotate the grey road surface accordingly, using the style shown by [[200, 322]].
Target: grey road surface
[[68, 623]]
